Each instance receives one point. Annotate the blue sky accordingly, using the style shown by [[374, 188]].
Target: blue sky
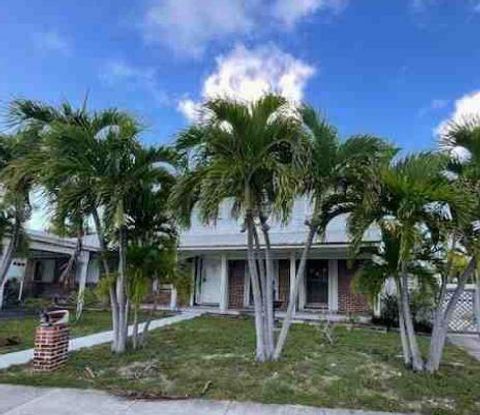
[[396, 68], [391, 68]]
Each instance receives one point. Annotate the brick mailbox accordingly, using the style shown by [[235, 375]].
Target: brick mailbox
[[51, 341]]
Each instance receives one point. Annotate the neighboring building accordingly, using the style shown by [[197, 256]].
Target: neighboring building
[[38, 274], [221, 279]]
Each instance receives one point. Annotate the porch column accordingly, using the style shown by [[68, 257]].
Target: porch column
[[332, 285], [302, 293], [191, 300], [293, 272], [173, 298], [224, 283]]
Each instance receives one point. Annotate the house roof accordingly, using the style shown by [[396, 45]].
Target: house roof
[[44, 240], [226, 233]]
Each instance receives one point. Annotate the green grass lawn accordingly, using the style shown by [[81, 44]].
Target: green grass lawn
[[212, 357], [24, 328]]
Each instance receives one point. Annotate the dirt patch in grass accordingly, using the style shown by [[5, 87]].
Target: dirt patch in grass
[[213, 357]]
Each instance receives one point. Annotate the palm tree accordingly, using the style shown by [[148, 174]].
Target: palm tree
[[382, 267], [461, 142], [152, 240], [68, 164], [15, 207], [409, 200], [250, 154], [128, 167], [334, 166], [70, 158]]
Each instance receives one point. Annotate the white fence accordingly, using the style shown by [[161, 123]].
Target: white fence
[[463, 318]]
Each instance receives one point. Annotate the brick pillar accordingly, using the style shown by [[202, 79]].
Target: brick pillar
[[51, 347]]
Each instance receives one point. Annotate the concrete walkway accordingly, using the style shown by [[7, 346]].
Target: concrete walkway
[[24, 356], [469, 342], [26, 400]]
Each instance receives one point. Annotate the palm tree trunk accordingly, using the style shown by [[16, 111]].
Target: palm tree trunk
[[71, 261], [294, 293], [257, 299], [270, 324], [115, 326], [417, 361], [268, 338], [120, 294], [8, 257], [135, 327], [442, 320], [407, 355], [106, 269], [101, 240]]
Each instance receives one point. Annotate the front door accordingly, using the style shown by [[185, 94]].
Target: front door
[[210, 281], [317, 283], [236, 284]]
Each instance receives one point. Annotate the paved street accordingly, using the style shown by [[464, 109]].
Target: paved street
[[25, 400]]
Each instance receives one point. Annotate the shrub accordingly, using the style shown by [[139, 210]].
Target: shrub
[[421, 306]]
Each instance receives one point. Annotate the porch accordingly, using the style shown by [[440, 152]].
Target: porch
[[222, 282], [38, 274]]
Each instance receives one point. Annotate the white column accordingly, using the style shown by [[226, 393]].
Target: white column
[[173, 298], [192, 294], [224, 284], [246, 289], [2, 290], [302, 293], [293, 272], [332, 285], [20, 291]]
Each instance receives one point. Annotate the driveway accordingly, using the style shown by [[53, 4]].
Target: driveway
[[27, 400], [469, 342]]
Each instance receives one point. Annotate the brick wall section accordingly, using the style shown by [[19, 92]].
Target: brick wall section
[[348, 301], [236, 284], [163, 297], [51, 347]]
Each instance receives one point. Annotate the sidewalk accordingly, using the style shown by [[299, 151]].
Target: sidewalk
[[26, 400], [468, 342], [24, 356]]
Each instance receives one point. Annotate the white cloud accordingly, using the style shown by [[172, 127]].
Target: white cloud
[[188, 27], [466, 107], [134, 78], [247, 74], [51, 41], [290, 12], [190, 109]]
